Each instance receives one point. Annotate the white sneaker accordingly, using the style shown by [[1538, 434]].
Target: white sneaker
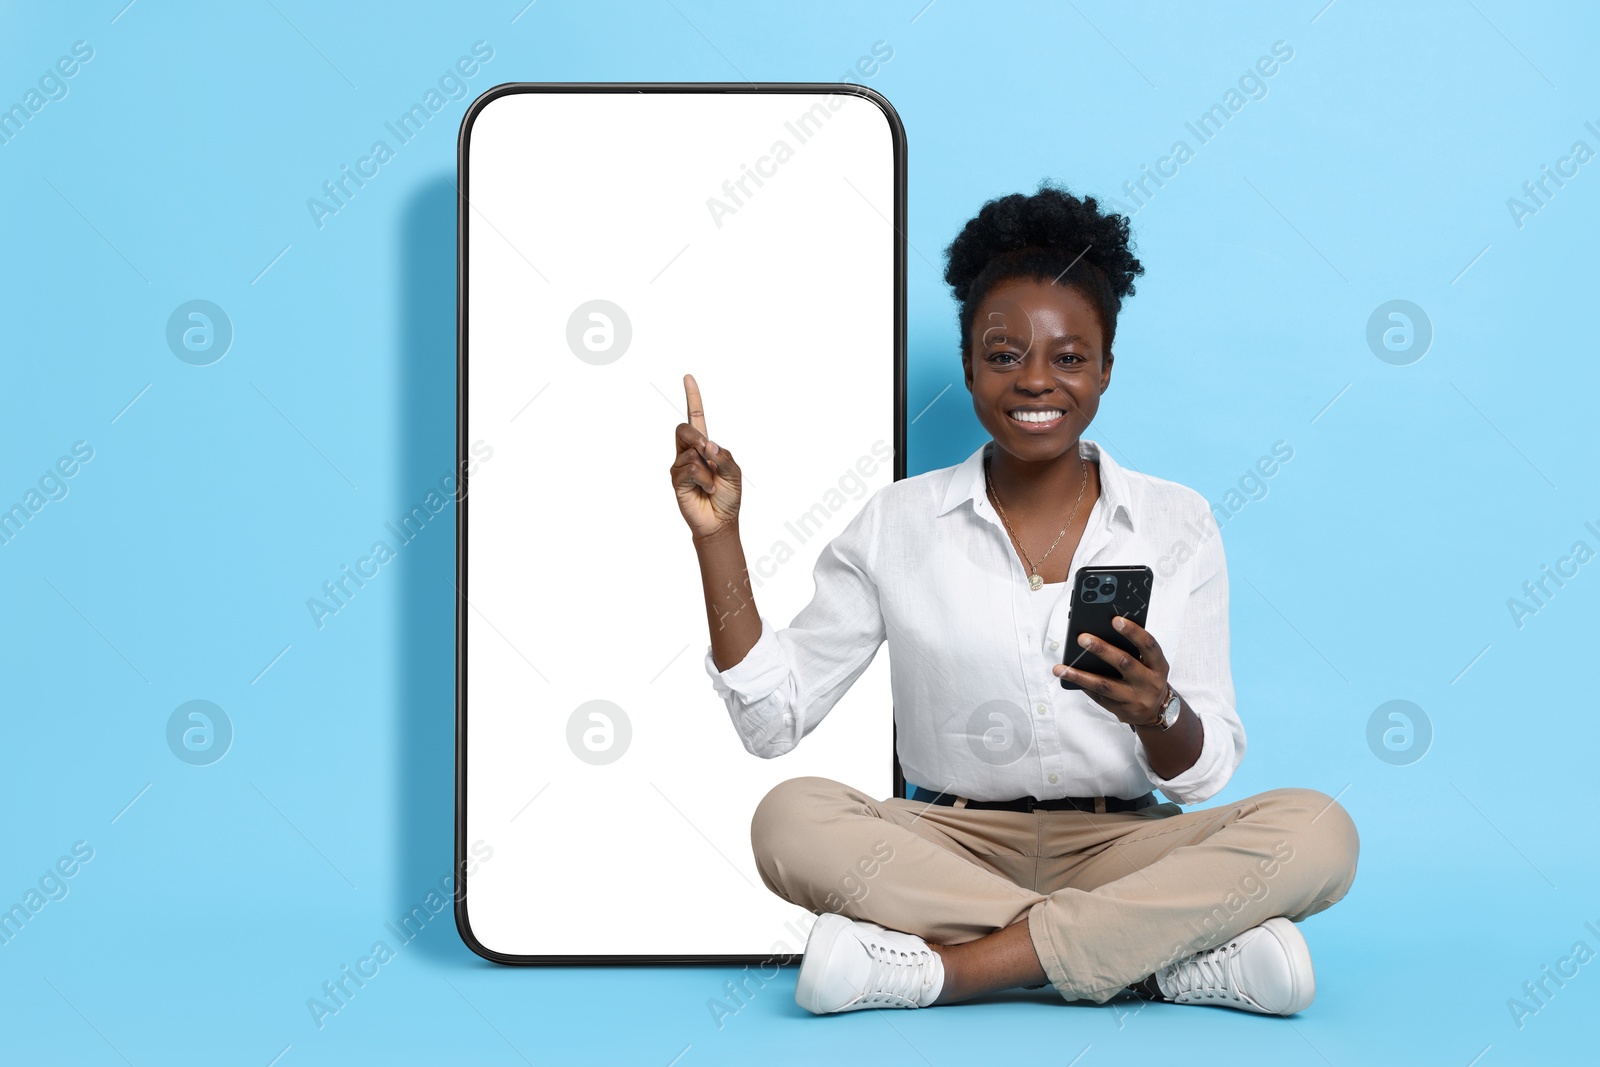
[[851, 964], [1265, 969]]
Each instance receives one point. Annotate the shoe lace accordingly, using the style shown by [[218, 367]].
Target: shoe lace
[[898, 977], [1208, 975]]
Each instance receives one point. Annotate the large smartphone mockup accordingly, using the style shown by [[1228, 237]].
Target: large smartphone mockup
[[614, 237]]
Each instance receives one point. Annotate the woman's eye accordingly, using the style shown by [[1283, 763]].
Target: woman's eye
[[996, 357]]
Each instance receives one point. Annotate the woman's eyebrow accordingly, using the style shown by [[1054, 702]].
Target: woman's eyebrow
[[996, 337]]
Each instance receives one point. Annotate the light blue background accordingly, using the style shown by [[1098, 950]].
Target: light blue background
[[1377, 565]]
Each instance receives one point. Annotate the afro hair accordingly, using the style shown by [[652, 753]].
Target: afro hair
[[1049, 236]]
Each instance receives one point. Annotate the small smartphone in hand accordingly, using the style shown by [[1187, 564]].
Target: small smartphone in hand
[[1100, 594]]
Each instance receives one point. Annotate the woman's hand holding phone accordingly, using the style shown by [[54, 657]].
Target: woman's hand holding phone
[[705, 477], [1136, 697]]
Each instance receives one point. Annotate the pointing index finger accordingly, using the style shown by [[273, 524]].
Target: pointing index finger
[[697, 415]]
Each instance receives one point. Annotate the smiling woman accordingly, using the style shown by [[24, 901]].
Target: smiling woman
[[1041, 280], [1002, 876]]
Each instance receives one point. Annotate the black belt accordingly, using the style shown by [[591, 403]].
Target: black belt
[[1026, 804]]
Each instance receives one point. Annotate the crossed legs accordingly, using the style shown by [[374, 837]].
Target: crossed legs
[[1099, 901]]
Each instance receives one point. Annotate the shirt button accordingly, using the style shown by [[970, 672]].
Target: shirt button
[[1043, 708], [1054, 645], [1052, 778]]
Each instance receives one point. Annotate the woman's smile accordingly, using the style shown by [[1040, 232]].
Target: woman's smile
[[1031, 420]]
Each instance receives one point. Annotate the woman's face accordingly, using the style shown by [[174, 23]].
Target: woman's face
[[1035, 345]]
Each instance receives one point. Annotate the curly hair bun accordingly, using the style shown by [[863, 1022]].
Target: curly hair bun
[[1051, 235], [1051, 219]]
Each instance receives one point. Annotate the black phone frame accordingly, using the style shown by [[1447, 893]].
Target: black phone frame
[[463, 207]]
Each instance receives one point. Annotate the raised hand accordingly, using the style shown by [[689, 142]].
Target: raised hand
[[705, 476]]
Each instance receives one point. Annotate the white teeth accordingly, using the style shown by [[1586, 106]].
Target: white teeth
[[1035, 416]]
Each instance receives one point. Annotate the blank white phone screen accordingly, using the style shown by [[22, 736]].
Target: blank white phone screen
[[613, 241]]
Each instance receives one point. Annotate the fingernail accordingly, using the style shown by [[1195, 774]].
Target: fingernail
[[1119, 622], [1085, 640], [711, 447]]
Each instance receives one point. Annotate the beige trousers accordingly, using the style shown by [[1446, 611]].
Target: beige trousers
[[1108, 898]]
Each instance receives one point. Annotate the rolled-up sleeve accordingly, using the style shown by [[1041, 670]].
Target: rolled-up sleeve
[[791, 678], [1203, 676]]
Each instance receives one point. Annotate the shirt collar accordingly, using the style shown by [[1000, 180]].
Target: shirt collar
[[966, 483]]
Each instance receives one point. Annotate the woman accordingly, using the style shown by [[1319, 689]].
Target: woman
[[1033, 849]]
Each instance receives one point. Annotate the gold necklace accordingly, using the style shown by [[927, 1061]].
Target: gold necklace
[[1035, 580]]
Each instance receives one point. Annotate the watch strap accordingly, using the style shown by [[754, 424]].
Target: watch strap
[[1161, 716]]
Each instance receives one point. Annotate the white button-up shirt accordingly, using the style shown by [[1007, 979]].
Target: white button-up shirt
[[928, 566]]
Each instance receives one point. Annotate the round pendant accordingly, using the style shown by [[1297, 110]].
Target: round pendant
[[1035, 582]]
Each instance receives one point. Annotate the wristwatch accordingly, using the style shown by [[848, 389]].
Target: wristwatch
[[1169, 711]]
